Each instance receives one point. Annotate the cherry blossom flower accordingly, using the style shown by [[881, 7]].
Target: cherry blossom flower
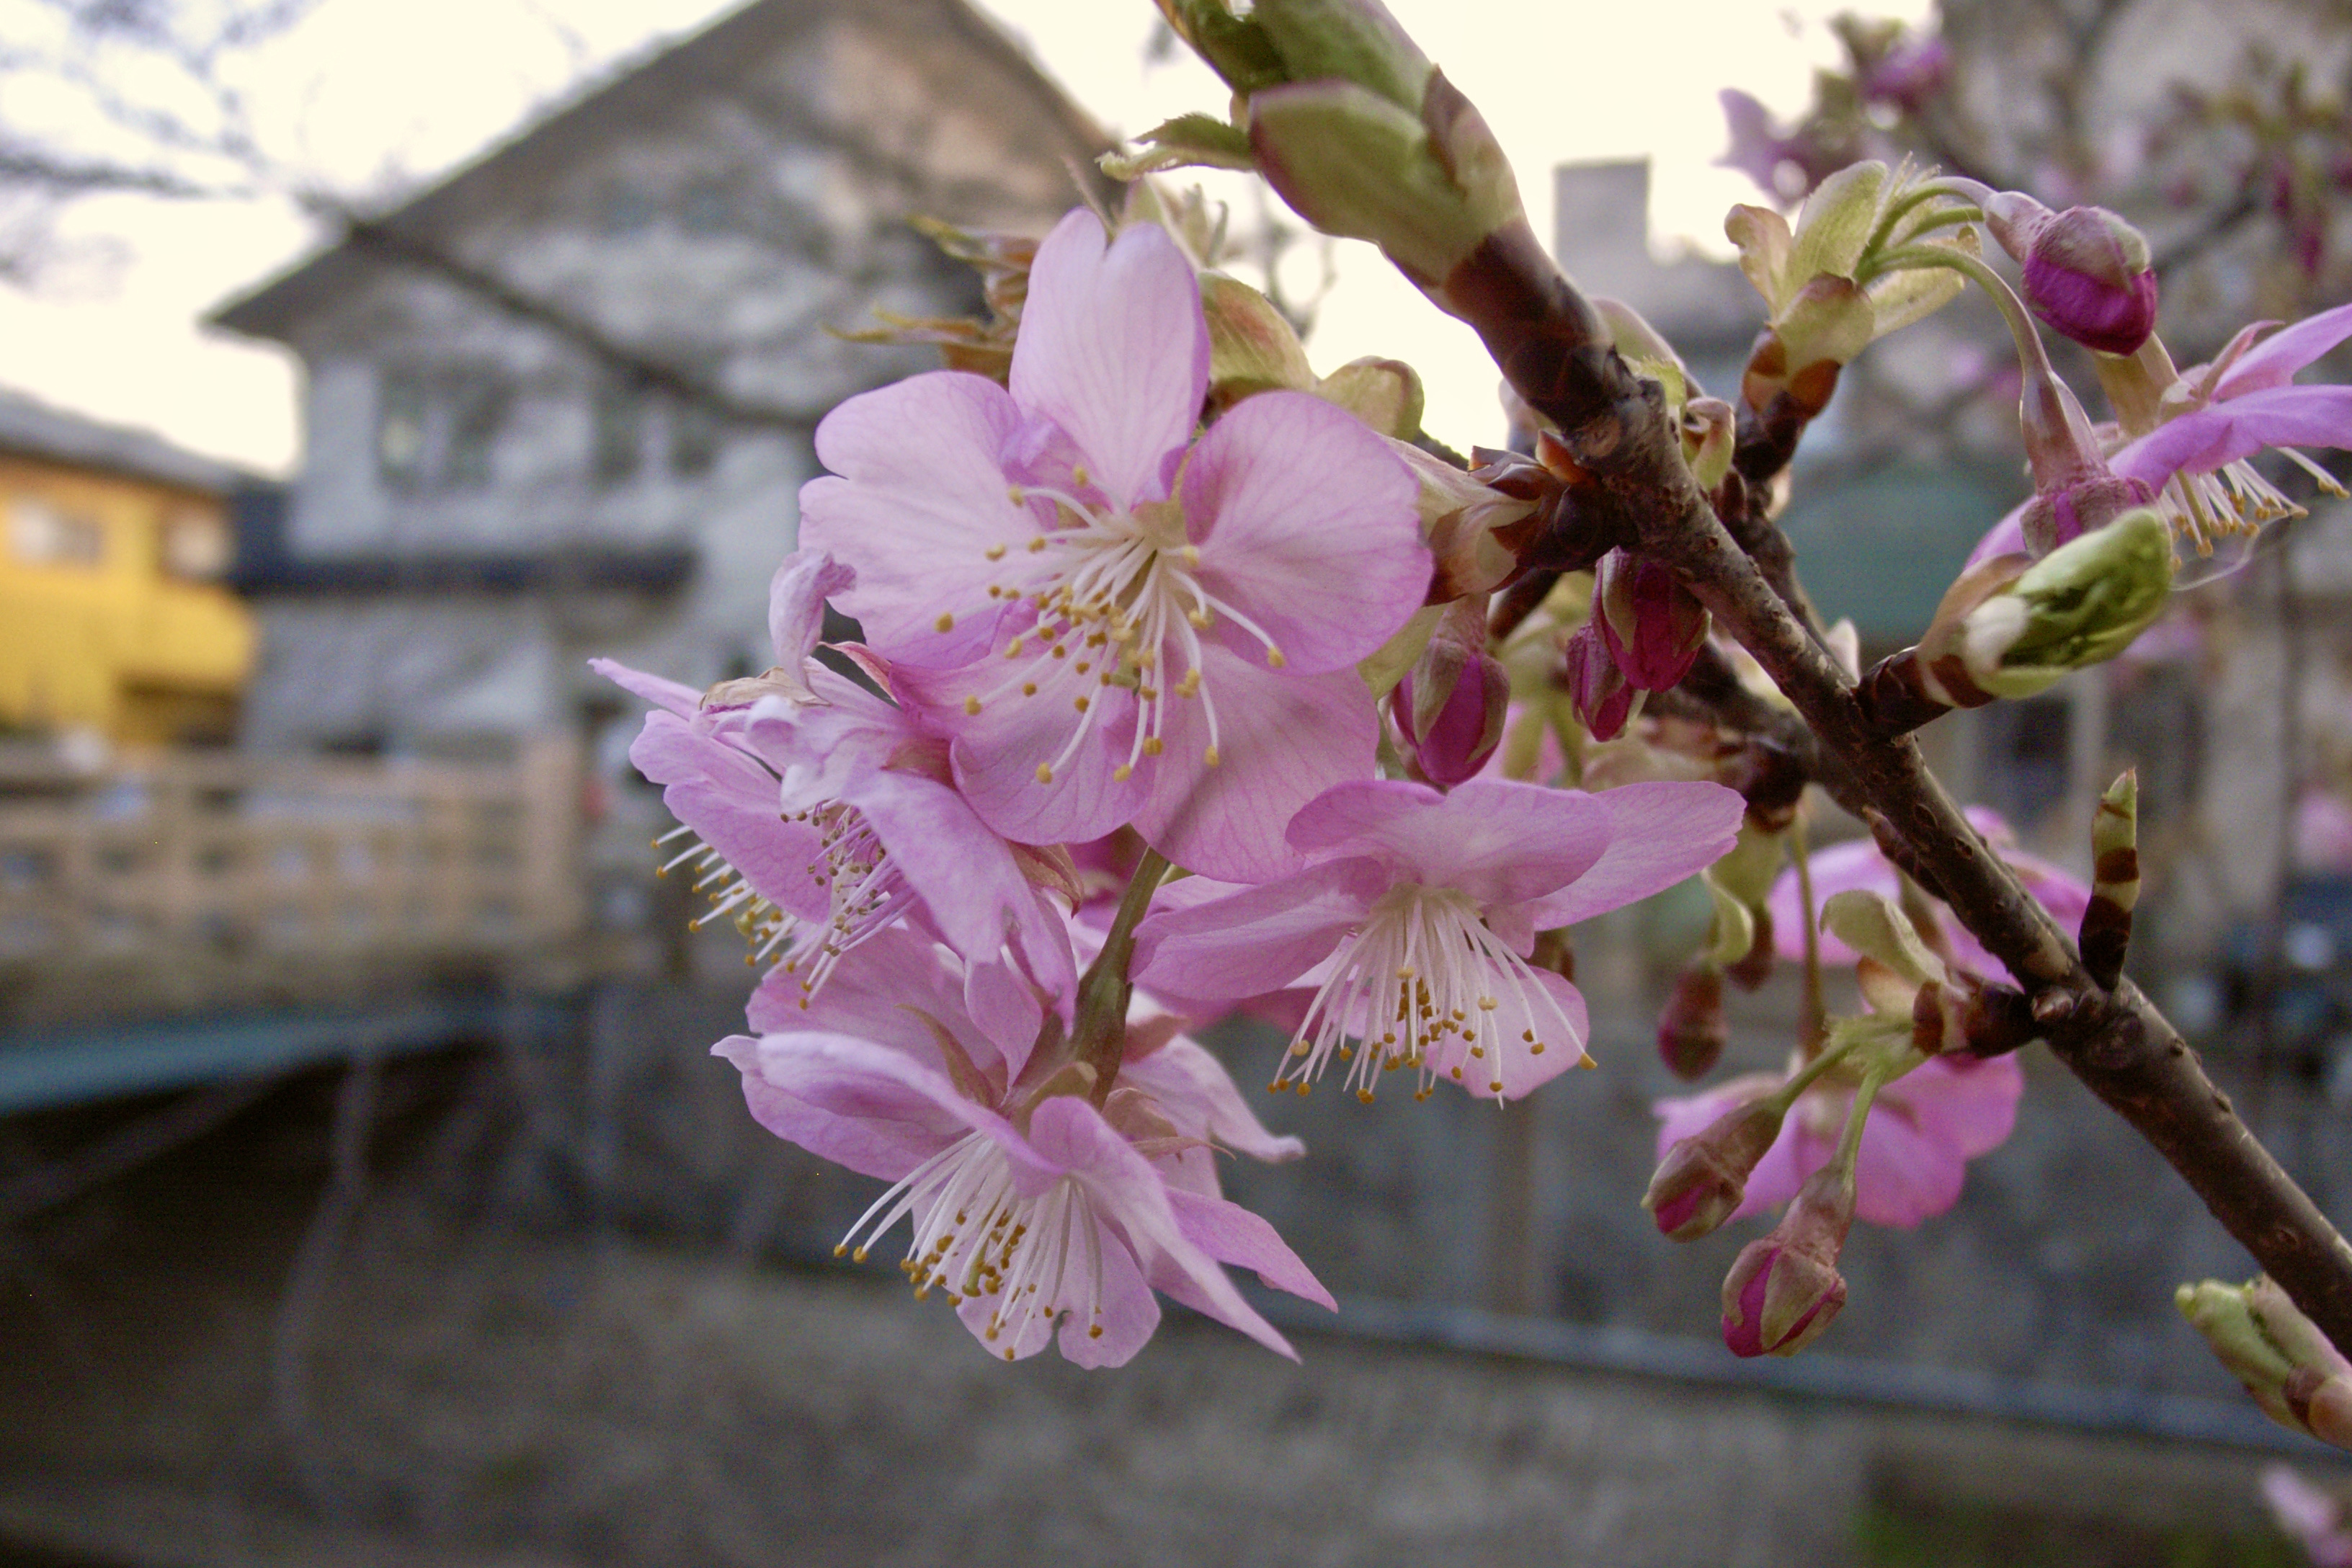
[[1417, 916], [1857, 865], [1117, 624], [1924, 1129], [821, 814], [1041, 1216]]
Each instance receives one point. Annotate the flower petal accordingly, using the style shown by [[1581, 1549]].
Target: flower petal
[[1307, 526], [1231, 1233], [920, 499], [1131, 1197], [890, 990], [1500, 841], [1660, 834], [1255, 940], [850, 1101], [796, 597], [2223, 432], [1281, 740], [730, 801], [998, 752], [2274, 362], [1519, 1044], [1114, 349], [682, 701], [1194, 1090]]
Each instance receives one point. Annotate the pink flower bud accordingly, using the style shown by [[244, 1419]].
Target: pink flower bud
[[1450, 704], [1783, 1291], [1595, 685], [1654, 626], [2087, 272], [1703, 1180], [1692, 1032]]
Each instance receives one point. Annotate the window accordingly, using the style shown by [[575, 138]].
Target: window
[[439, 430], [478, 410], [400, 430], [616, 436], [40, 534], [195, 545], [706, 206], [693, 438]]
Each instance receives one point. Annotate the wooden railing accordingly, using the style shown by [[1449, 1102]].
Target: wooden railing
[[200, 877]]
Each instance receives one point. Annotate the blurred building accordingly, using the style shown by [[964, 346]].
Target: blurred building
[[561, 405], [112, 618]]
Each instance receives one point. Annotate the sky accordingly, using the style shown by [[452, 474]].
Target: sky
[[373, 96]]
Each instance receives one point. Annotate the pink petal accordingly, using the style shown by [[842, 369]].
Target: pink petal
[[1003, 1007], [1903, 1175], [1231, 1233], [1131, 1198], [1308, 524], [1257, 940], [682, 701], [889, 991], [1500, 841], [1854, 865], [729, 802], [998, 752], [1282, 740], [2223, 432], [1194, 1090], [920, 499], [850, 1101], [1970, 1106], [796, 597], [964, 874], [1113, 348], [1660, 834], [2006, 537], [1509, 1057], [2275, 362]]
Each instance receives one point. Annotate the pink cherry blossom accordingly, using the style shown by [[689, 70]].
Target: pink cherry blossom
[[1042, 1218], [1923, 1130], [1857, 865], [1417, 914], [823, 815], [1117, 624]]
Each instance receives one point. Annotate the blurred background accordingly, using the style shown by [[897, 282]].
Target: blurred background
[[366, 1195]]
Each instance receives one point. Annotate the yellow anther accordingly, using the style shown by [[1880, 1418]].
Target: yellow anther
[[972, 705], [1121, 774], [1210, 757], [1045, 773], [1080, 703], [1028, 688], [1153, 746], [1274, 657], [946, 623], [1200, 618], [996, 552], [1037, 545]]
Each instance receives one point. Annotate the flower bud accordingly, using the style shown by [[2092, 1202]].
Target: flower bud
[[1710, 432], [1450, 704], [2301, 1381], [1252, 346], [2081, 604], [1783, 1291], [1703, 1180], [1654, 625], [1691, 1031], [2087, 272], [1604, 701]]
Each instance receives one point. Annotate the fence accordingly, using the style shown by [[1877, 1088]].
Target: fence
[[216, 880]]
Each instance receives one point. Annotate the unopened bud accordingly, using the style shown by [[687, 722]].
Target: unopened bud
[[1691, 1031], [1654, 626], [1251, 345], [2301, 1380], [1783, 1291], [1604, 700], [2087, 272], [1703, 1180], [1709, 434], [2081, 604], [1450, 704]]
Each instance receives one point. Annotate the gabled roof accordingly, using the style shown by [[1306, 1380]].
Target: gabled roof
[[31, 429], [712, 63]]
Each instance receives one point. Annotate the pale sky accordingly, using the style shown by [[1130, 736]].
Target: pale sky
[[374, 95]]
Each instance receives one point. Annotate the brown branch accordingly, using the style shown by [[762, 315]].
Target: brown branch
[[1544, 336]]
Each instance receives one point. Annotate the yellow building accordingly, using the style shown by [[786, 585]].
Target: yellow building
[[113, 545]]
